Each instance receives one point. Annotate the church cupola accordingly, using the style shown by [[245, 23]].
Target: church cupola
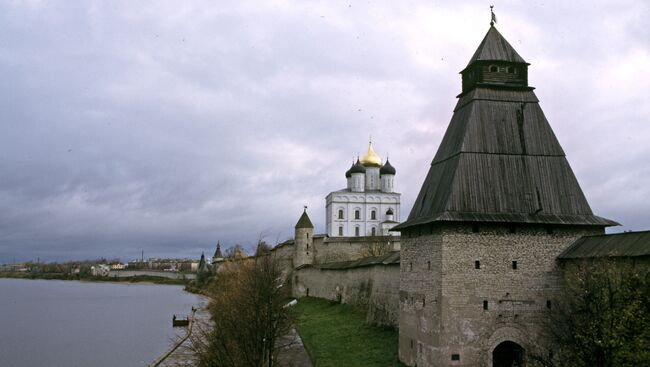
[[348, 175], [495, 64], [387, 174], [358, 173], [371, 162]]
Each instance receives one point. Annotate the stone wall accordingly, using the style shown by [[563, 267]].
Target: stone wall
[[455, 311], [335, 249], [371, 284]]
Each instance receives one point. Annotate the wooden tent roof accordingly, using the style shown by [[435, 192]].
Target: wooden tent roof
[[495, 48], [500, 161]]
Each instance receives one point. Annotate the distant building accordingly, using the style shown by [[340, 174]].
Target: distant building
[[369, 205], [100, 270]]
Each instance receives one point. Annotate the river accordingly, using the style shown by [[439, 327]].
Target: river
[[70, 323]]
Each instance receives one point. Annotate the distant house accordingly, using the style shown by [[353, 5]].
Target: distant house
[[100, 270], [118, 266]]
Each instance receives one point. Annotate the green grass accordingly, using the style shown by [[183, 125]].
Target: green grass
[[336, 335]]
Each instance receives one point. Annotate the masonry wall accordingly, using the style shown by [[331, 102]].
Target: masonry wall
[[335, 249], [373, 288], [443, 320]]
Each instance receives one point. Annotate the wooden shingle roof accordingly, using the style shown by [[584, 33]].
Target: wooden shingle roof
[[495, 48], [500, 161], [627, 244]]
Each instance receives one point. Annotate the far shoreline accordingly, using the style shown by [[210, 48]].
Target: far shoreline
[[138, 279]]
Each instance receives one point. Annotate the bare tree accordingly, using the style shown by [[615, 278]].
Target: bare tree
[[375, 246], [247, 307]]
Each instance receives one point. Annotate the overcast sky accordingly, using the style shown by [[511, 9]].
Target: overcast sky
[[165, 126]]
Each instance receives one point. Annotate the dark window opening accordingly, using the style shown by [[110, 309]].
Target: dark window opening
[[410, 266], [477, 264], [357, 214], [340, 214], [455, 357], [548, 304], [475, 228], [411, 343], [356, 231], [428, 265], [307, 236], [307, 246], [372, 231], [512, 229], [514, 265], [549, 229], [424, 302], [340, 231], [485, 305], [307, 292], [494, 69], [373, 215]]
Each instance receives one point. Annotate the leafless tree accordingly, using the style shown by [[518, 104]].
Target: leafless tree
[[247, 307], [375, 246]]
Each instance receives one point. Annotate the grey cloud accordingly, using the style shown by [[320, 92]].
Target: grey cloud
[[165, 126]]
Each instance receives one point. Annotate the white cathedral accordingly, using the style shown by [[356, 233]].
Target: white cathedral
[[368, 206]]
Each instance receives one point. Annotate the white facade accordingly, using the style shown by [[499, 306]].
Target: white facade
[[342, 208], [368, 206]]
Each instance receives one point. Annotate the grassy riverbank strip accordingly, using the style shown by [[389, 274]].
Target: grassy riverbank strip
[[337, 335], [60, 276]]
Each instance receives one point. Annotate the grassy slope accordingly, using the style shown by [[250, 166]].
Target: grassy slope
[[336, 335]]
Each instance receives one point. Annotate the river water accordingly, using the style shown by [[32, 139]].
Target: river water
[[69, 323]]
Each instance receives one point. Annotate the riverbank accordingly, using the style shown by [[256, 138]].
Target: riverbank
[[147, 279]]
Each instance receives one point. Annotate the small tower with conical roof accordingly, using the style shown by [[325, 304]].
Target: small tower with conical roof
[[303, 241], [218, 256]]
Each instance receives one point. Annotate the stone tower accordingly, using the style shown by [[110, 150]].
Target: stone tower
[[304, 241], [499, 203]]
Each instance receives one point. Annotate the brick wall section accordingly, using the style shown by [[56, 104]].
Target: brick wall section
[[373, 288], [452, 319]]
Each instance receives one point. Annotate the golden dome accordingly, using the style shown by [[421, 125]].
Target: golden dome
[[371, 159]]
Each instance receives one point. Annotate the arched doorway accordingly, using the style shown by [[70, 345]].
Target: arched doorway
[[508, 354]]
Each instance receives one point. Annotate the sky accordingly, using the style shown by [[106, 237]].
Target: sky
[[166, 126]]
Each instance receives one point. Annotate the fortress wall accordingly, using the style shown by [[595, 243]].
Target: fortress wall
[[374, 288], [333, 249]]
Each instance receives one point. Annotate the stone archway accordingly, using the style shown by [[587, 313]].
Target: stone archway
[[508, 354]]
